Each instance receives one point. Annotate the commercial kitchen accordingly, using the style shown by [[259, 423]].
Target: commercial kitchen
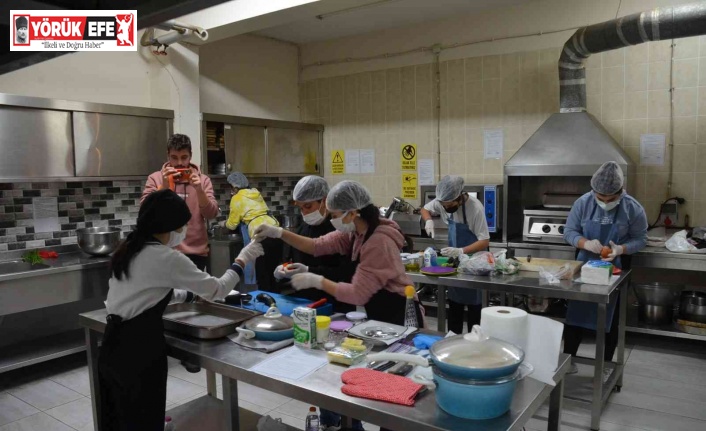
[[529, 109]]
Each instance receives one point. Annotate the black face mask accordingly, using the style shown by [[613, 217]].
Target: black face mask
[[453, 209]]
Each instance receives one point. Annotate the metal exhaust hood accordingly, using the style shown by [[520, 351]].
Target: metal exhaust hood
[[573, 142]]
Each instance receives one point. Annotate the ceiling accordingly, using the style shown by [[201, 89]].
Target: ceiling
[[380, 16]]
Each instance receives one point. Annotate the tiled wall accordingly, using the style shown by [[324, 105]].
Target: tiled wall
[[628, 91], [100, 203]]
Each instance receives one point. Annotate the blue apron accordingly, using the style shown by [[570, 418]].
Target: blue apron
[[581, 313], [249, 271], [460, 235]]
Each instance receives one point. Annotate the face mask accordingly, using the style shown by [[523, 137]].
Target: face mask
[[314, 218], [175, 238], [454, 208], [343, 227], [607, 206]]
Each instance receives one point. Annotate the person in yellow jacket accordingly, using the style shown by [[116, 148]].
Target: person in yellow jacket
[[248, 210]]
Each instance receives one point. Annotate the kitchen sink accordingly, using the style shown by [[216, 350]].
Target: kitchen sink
[[17, 266]]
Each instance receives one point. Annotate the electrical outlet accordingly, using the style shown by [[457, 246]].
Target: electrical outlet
[[669, 214]]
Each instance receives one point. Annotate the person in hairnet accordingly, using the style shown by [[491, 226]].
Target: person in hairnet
[[248, 210], [606, 216], [310, 197], [372, 244], [468, 233]]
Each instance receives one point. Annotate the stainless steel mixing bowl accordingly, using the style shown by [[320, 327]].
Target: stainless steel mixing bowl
[[98, 241]]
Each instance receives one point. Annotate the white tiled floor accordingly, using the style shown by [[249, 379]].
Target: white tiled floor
[[664, 389]]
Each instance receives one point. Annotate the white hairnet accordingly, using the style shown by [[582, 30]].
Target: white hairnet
[[236, 179], [608, 179], [310, 188], [449, 188], [347, 196]]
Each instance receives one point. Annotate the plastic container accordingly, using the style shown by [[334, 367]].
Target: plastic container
[[356, 316], [323, 324], [312, 420]]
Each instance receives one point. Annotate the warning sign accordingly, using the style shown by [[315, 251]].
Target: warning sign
[[409, 185], [338, 162], [408, 157]]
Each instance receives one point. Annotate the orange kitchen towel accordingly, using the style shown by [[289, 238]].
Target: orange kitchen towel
[[376, 385]]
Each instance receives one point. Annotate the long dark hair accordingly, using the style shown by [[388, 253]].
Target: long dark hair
[[371, 215], [126, 252]]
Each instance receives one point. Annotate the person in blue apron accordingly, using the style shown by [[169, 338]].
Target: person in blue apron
[[605, 217], [147, 274], [248, 210], [468, 233]]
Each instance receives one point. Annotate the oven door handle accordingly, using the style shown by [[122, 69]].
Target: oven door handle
[[534, 236]]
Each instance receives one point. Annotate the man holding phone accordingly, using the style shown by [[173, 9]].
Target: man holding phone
[[186, 180]]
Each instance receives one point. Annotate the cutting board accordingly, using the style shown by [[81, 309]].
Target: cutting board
[[550, 265]]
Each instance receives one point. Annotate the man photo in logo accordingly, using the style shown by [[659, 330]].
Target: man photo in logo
[[78, 30], [21, 34]]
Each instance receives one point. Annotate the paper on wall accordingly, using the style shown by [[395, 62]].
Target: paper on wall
[[367, 161], [426, 172], [46, 214], [652, 147], [493, 143], [352, 161]]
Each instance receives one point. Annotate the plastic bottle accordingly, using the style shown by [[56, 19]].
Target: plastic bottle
[[410, 311], [312, 420], [429, 257], [168, 424]]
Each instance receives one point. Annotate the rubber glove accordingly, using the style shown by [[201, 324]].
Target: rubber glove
[[251, 252], [594, 246], [279, 273], [429, 227], [267, 231], [615, 251], [451, 251], [295, 268], [307, 280]]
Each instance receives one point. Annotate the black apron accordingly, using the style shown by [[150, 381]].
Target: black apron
[[387, 306], [132, 367]]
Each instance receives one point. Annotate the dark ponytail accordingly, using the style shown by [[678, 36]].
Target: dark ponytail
[[371, 215], [126, 252]]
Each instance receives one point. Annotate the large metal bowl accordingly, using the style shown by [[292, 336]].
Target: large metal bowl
[[98, 241]]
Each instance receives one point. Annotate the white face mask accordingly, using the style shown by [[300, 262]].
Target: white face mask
[[314, 218], [343, 227], [175, 238], [607, 206]]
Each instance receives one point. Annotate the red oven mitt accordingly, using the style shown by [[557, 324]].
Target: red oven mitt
[[376, 385]]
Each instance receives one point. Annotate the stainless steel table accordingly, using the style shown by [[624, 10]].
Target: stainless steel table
[[529, 283], [323, 387]]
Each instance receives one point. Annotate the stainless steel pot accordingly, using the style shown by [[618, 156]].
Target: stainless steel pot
[[657, 301], [272, 326], [686, 297], [695, 310], [98, 241], [289, 222], [656, 314]]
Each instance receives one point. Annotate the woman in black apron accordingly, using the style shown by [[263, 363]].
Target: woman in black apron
[[373, 244], [132, 361]]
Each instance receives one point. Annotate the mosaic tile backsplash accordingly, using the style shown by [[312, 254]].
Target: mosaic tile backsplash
[[102, 203]]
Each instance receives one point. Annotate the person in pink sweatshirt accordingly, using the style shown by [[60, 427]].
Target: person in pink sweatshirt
[[186, 180], [372, 242]]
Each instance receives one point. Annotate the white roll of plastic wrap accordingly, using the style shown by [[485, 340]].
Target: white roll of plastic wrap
[[505, 323]]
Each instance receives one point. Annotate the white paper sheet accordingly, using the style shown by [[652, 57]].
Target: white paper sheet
[[652, 149], [367, 161], [426, 172], [293, 363], [46, 214], [493, 141], [352, 161]]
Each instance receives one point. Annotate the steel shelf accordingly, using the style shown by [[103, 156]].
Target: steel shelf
[[41, 350], [665, 331]]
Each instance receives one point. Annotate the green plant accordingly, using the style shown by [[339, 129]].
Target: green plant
[[32, 257]]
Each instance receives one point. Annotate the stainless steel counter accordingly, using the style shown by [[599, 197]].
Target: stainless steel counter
[[65, 262], [660, 257], [323, 387]]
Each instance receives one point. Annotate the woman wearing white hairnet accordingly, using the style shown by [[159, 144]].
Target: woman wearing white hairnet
[[310, 196], [248, 210], [374, 244], [468, 233], [605, 216]]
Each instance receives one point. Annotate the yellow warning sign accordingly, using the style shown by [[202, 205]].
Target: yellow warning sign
[[408, 157], [409, 185], [338, 164]]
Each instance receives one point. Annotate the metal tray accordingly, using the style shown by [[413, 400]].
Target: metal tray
[[205, 320]]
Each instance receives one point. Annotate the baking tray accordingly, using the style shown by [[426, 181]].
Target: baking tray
[[206, 320]]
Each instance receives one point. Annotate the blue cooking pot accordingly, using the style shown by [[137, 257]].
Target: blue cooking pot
[[271, 326], [475, 399]]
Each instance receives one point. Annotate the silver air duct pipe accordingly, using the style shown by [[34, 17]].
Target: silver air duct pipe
[[658, 24]]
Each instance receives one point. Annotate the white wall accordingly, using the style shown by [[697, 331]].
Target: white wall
[[250, 76]]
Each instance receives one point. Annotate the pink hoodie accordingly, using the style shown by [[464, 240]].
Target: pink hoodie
[[196, 241], [379, 267]]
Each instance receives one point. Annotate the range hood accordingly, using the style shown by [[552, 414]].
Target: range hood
[[573, 142]]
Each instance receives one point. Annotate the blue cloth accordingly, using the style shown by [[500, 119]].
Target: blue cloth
[[460, 235], [424, 342], [615, 225], [249, 269]]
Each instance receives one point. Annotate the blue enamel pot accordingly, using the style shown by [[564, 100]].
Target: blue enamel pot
[[271, 326]]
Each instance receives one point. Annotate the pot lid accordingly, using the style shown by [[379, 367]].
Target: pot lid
[[477, 351], [272, 320]]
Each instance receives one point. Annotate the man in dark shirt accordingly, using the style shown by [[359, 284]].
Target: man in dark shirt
[[310, 196]]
